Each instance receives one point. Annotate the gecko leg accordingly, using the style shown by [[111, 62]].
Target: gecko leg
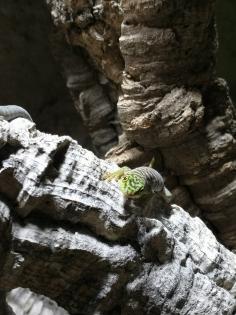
[[116, 175]]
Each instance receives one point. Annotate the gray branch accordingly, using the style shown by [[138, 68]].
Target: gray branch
[[72, 237]]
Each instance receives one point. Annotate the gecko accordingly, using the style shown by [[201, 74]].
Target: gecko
[[140, 181], [11, 112]]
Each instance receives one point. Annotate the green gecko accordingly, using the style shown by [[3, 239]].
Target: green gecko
[[139, 182]]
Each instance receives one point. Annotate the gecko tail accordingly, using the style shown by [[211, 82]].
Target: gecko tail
[[167, 195]]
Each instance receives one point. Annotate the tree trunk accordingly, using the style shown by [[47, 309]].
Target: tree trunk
[[171, 101]]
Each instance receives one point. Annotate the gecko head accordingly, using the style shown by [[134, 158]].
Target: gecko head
[[131, 185]]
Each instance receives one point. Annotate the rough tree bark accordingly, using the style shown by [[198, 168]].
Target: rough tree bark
[[171, 101], [71, 236]]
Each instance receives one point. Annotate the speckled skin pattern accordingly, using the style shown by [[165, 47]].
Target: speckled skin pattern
[[139, 181]]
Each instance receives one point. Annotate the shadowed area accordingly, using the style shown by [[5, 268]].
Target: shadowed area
[[30, 76]]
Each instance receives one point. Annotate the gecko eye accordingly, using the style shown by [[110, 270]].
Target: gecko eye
[[125, 178]]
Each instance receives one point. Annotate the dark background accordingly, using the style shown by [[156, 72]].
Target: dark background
[[226, 19]]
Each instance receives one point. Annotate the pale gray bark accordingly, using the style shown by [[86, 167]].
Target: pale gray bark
[[25, 302], [71, 237], [4, 307]]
